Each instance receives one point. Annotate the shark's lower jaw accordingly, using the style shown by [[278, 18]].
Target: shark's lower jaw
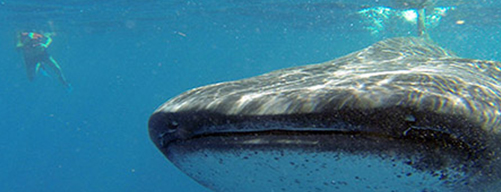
[[326, 161], [344, 157]]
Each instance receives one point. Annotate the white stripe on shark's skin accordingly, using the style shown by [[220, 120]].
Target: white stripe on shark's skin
[[400, 104]]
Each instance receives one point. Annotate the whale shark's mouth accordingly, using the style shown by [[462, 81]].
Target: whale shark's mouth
[[392, 149]]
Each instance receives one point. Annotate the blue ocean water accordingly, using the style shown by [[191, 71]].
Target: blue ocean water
[[125, 58]]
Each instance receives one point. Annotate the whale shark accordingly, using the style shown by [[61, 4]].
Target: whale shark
[[403, 114]]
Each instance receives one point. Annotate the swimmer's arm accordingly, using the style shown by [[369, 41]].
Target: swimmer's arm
[[47, 43], [19, 43]]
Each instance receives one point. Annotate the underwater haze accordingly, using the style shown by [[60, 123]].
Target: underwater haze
[[125, 58]]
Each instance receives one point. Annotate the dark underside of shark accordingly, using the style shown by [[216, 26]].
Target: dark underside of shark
[[401, 115]]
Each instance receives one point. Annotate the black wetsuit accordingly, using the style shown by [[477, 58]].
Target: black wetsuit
[[34, 47]]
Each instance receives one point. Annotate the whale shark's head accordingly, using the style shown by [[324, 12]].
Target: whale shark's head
[[402, 114]]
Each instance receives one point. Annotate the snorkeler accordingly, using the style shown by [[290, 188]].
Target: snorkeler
[[36, 57]]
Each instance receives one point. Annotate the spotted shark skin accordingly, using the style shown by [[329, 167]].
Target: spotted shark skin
[[403, 100]]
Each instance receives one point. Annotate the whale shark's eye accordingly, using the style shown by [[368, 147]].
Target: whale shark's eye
[[172, 126]]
